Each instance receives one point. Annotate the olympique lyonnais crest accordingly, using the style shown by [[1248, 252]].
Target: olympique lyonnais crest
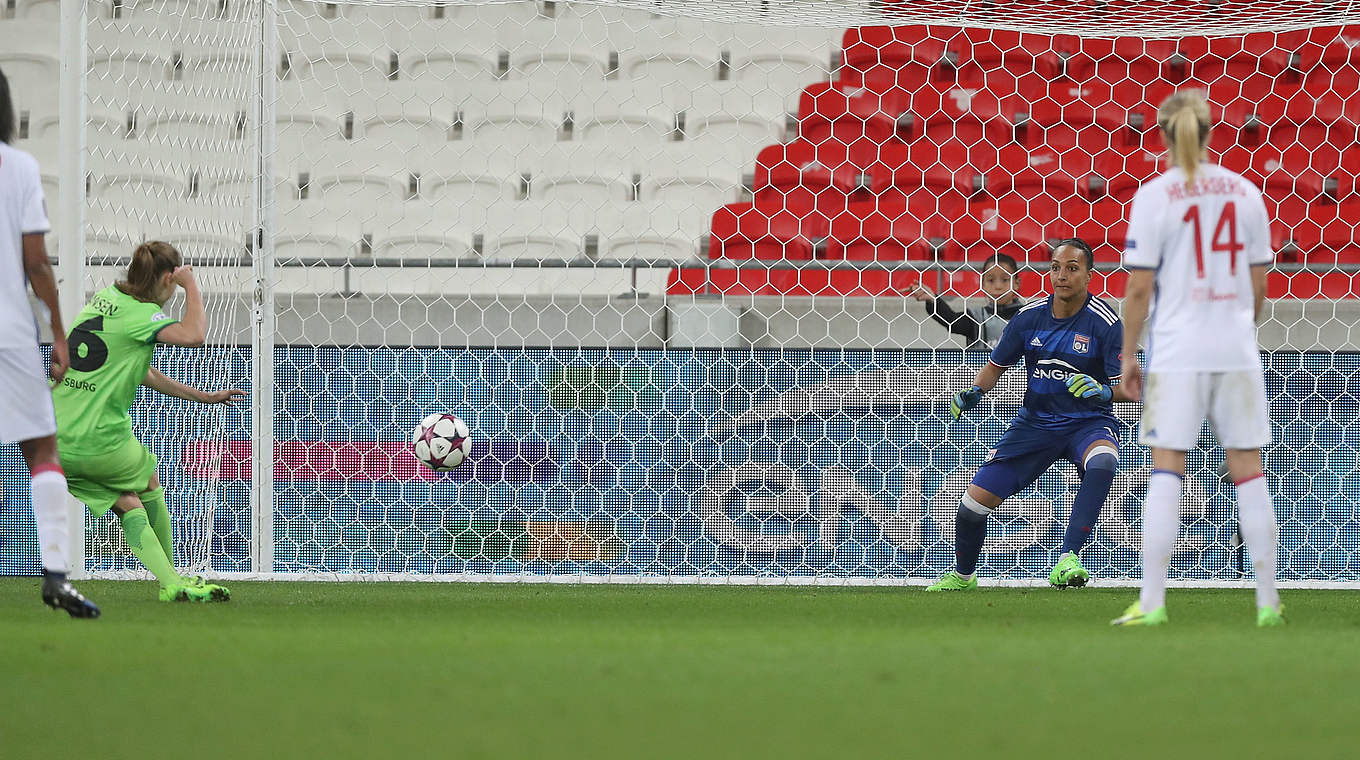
[[1081, 343]]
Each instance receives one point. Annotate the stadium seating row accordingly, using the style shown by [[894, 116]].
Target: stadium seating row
[[950, 144], [919, 227], [982, 57], [311, 231]]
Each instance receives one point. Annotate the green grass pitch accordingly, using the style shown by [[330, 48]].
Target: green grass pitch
[[321, 670]]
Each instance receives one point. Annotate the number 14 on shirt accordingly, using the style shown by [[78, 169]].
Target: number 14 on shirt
[[1227, 223]]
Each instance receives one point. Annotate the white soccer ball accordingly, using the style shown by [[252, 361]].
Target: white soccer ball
[[441, 442]]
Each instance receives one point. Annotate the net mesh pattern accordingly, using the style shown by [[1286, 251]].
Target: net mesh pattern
[[673, 263]]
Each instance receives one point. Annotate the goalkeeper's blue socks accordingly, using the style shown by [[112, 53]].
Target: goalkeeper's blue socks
[[1095, 488], [970, 530]]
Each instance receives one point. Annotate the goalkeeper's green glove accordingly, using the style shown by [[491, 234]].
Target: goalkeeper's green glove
[[963, 401], [1085, 386]]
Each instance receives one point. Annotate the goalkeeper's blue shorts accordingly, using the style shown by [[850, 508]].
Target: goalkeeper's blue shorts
[[1026, 451]]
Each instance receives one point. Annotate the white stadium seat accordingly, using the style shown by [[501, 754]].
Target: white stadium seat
[[647, 231], [347, 71], [777, 64], [516, 118], [418, 236], [535, 231], [518, 13], [732, 115], [303, 133], [50, 10], [190, 128], [688, 180], [594, 179], [570, 64], [622, 120], [310, 231], [466, 176], [657, 60], [28, 57], [372, 187]]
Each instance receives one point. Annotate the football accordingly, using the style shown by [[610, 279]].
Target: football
[[441, 442]]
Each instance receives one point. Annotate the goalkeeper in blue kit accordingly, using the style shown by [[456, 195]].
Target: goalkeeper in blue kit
[[1071, 343]]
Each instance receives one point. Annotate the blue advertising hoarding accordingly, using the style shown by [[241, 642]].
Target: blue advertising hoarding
[[689, 463]]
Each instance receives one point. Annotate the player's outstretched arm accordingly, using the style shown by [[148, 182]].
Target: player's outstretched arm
[[158, 381]]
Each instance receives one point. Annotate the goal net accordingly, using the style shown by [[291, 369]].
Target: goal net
[[674, 262]]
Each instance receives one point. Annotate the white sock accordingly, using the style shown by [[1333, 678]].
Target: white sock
[[1256, 512], [49, 510], [1161, 523]]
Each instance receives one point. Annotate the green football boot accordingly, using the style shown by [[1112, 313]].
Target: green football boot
[[1068, 573], [1134, 615], [1269, 618], [952, 581], [194, 590]]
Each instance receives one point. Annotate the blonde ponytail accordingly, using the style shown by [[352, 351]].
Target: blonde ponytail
[[1184, 121], [150, 261]]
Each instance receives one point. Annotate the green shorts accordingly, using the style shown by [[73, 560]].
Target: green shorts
[[98, 480]]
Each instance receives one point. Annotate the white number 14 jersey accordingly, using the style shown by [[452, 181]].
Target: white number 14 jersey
[[1202, 241]]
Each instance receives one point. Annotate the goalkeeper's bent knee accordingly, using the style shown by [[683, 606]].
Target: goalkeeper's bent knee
[[1102, 458]]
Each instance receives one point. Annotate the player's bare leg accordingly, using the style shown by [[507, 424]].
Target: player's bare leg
[[49, 511]]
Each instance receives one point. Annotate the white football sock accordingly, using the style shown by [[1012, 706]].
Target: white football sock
[[1256, 513], [49, 510], [1161, 523]]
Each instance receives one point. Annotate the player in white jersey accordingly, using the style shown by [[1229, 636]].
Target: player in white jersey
[[1198, 248], [26, 414]]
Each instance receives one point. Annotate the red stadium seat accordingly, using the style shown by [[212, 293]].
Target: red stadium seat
[[850, 114], [1261, 61], [1092, 126], [981, 57], [969, 116], [801, 175], [1341, 236], [743, 231], [1042, 179], [1123, 173], [1305, 118], [1330, 48], [879, 232], [1103, 225], [991, 228], [1127, 64], [910, 55]]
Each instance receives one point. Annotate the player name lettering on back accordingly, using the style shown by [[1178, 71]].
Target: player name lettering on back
[[80, 385], [104, 306], [1177, 191]]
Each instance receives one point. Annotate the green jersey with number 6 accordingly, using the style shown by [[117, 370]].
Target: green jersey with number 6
[[111, 343]]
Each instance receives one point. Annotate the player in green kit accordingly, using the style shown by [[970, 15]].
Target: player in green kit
[[111, 345]]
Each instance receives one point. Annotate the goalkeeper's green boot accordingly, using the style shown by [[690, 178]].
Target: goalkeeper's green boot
[[1068, 573], [1134, 615], [952, 581], [1267, 617]]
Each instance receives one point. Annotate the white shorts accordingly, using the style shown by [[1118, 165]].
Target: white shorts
[[1175, 405], [25, 396]]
